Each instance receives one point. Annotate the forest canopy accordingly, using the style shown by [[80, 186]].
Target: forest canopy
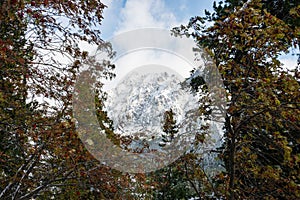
[[42, 157]]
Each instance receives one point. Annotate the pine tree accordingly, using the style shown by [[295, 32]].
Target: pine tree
[[261, 149], [41, 156], [170, 128]]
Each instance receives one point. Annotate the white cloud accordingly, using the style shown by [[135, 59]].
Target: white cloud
[[124, 16], [289, 63], [152, 47], [289, 60], [145, 13], [107, 2], [111, 17], [151, 59]]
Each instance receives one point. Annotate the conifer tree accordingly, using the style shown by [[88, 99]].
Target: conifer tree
[[261, 149], [170, 128]]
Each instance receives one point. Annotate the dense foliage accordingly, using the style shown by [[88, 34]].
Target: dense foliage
[[40, 153], [42, 157], [261, 149]]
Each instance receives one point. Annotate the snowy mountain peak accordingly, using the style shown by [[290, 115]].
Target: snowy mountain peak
[[137, 104]]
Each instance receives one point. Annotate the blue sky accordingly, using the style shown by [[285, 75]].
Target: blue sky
[[125, 15], [122, 16]]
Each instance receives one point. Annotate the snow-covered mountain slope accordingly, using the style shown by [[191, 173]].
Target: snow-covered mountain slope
[[139, 101], [137, 106]]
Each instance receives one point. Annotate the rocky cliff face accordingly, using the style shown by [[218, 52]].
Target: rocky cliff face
[[137, 106], [139, 101]]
